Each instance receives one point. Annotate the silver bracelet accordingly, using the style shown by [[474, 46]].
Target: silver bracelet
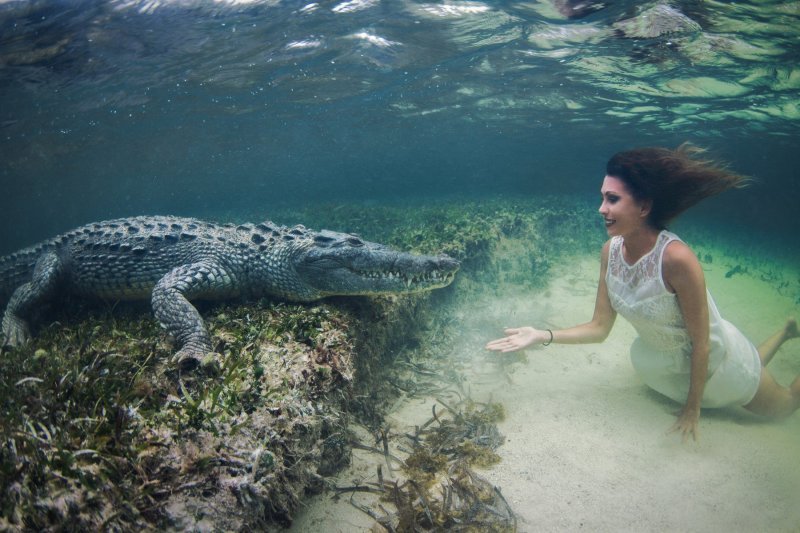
[[548, 343]]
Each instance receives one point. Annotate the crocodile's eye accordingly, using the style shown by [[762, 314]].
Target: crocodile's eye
[[319, 239], [355, 241]]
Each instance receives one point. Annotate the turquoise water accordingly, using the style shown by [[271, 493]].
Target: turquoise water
[[246, 108], [123, 107]]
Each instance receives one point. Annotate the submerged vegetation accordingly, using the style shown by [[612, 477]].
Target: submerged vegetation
[[101, 431], [439, 490]]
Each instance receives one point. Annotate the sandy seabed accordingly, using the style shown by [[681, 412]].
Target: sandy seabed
[[587, 444]]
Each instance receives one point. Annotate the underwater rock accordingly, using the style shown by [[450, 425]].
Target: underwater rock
[[703, 87], [661, 19], [549, 36], [575, 9], [104, 437], [104, 440]]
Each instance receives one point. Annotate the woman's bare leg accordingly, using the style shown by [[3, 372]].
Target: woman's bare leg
[[768, 348], [774, 400]]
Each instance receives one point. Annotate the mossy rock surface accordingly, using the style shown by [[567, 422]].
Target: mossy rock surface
[[100, 431]]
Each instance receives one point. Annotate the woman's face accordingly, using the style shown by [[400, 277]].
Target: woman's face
[[621, 212]]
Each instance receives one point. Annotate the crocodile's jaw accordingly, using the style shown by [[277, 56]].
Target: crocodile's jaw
[[372, 269]]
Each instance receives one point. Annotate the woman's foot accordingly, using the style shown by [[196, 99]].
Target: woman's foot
[[767, 349], [790, 330]]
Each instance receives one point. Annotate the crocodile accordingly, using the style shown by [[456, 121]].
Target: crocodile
[[173, 260]]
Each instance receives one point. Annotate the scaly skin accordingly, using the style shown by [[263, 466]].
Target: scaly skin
[[175, 260]]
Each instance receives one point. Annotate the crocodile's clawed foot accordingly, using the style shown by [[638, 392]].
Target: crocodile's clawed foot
[[15, 332], [189, 361]]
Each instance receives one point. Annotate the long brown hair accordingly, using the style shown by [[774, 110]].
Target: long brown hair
[[673, 180]]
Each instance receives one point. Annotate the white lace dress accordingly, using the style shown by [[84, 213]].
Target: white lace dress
[[661, 354]]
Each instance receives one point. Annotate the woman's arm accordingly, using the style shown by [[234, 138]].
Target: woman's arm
[[596, 330], [684, 276]]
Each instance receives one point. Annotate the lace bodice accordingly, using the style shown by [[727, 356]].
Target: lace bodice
[[637, 292]]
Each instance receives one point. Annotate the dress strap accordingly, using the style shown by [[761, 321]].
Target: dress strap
[[664, 238]]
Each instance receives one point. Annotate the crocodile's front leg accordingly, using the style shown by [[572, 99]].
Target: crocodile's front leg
[[171, 306], [46, 276]]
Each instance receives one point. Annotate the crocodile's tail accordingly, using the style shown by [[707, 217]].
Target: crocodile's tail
[[16, 269]]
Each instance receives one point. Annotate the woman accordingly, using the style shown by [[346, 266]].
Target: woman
[[685, 350]]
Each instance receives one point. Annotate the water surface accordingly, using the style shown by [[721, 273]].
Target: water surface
[[207, 108]]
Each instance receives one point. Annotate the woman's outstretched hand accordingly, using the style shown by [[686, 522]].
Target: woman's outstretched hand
[[517, 339], [686, 424]]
